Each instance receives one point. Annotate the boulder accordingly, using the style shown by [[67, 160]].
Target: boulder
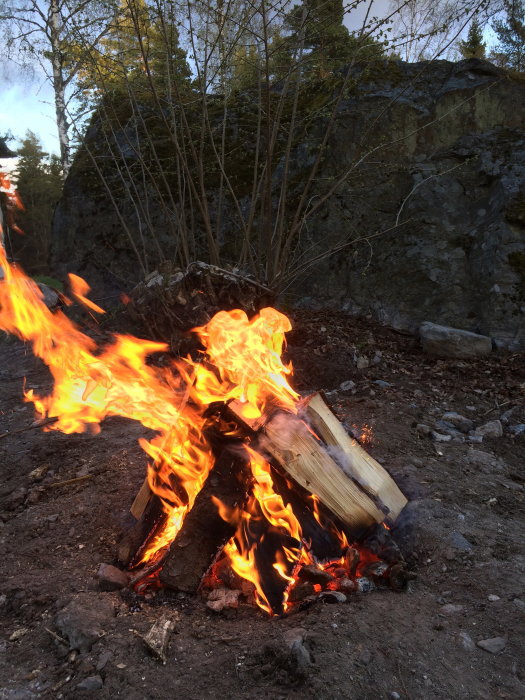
[[444, 341]]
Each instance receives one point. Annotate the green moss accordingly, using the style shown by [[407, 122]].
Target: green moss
[[50, 282]]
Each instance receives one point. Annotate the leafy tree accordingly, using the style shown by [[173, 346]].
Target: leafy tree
[[53, 35], [39, 185], [510, 50], [473, 46], [142, 41]]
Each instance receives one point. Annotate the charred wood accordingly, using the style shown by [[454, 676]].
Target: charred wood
[[204, 532]]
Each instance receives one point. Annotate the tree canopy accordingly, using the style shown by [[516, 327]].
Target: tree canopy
[[510, 31]]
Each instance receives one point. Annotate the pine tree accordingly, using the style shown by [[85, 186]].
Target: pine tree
[[317, 27], [39, 185], [511, 36], [474, 46]]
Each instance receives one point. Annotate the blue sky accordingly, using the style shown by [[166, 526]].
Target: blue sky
[[24, 105]]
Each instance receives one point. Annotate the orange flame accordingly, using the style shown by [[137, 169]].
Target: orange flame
[[242, 549], [241, 360], [91, 384], [80, 288], [13, 202]]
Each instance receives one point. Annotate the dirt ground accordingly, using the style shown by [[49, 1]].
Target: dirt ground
[[462, 532]]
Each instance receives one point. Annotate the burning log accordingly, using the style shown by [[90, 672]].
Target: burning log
[[204, 532], [365, 470], [360, 498]]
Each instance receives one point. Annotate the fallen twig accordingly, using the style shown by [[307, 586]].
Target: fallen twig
[[69, 481], [56, 636], [42, 424], [497, 407]]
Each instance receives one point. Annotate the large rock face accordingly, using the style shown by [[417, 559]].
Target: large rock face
[[435, 157]]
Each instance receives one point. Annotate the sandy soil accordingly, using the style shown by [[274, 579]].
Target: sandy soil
[[463, 532]]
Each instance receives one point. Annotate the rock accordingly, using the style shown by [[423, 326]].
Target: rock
[[453, 342], [493, 598], [313, 574], [347, 585], [423, 429], [222, 598], [464, 270], [484, 460], [458, 421], [348, 386], [18, 634], [332, 597], [365, 585], [90, 684], [394, 696], [493, 645], [507, 415], [450, 609], [50, 297], [84, 620], [446, 428], [458, 542], [299, 658], [439, 437], [103, 660], [301, 591], [110, 578], [467, 642], [381, 384], [15, 498], [293, 635], [365, 657], [492, 429], [362, 362], [518, 429]]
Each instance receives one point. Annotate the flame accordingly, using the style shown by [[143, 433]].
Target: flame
[[91, 383], [247, 354], [241, 360], [13, 202], [268, 505], [80, 288]]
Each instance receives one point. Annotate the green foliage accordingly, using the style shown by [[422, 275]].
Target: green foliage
[[318, 31], [474, 46], [39, 185], [510, 51], [141, 45], [49, 282]]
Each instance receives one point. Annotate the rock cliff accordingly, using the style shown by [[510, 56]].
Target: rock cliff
[[435, 155]]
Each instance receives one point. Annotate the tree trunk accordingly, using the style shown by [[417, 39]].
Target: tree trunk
[[59, 84]]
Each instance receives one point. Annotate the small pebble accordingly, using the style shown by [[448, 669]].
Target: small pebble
[[493, 645], [450, 609], [467, 642], [90, 683], [493, 598], [332, 597]]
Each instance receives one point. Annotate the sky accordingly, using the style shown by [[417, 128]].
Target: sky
[[28, 104]]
